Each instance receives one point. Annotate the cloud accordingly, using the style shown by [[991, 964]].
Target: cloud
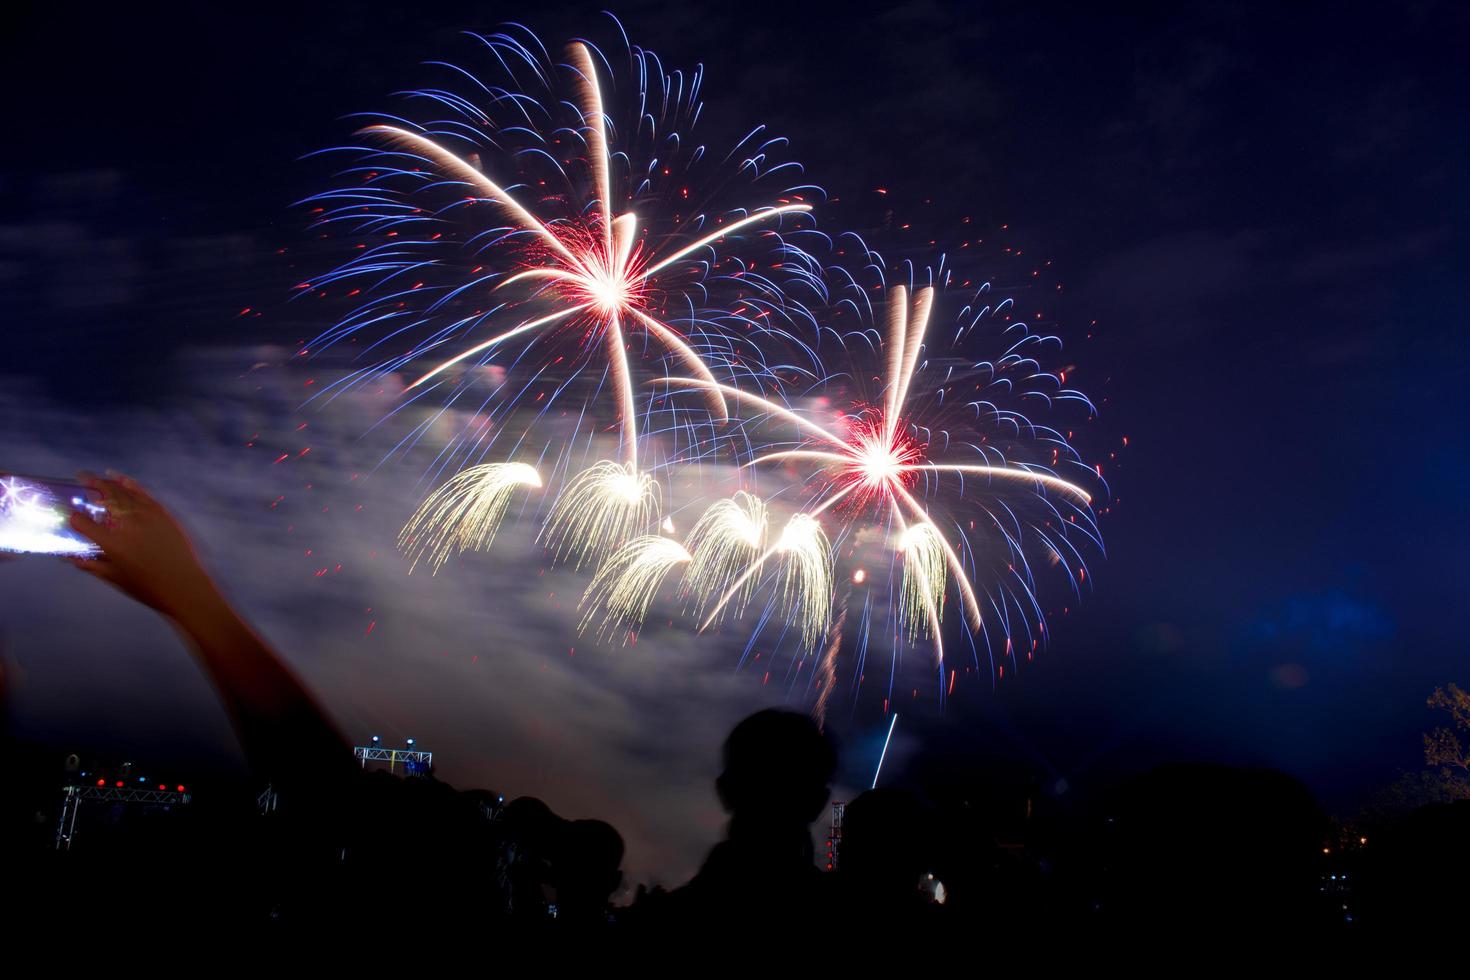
[[481, 663]]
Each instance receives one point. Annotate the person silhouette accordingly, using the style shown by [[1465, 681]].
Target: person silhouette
[[885, 837], [775, 781], [531, 829], [586, 870]]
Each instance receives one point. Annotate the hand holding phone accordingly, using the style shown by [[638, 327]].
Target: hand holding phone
[[144, 551]]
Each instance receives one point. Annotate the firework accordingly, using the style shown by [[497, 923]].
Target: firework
[[884, 754], [921, 599], [550, 233], [806, 576], [725, 541], [599, 509], [890, 465], [534, 222], [620, 593], [827, 669], [463, 514]]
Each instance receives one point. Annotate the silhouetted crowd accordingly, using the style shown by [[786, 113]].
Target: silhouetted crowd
[[359, 857], [1186, 852]]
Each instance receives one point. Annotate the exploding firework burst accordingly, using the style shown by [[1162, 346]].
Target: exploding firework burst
[[527, 244], [934, 463], [541, 238]]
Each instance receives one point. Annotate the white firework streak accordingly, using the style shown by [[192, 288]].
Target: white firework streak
[[623, 588], [806, 576], [464, 513], [921, 598], [726, 539], [599, 509]]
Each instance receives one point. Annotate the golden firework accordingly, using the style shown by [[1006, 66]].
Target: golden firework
[[725, 541], [623, 588], [464, 513], [806, 576], [597, 511], [921, 599]]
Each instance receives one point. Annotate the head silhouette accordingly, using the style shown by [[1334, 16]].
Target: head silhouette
[[587, 867], [883, 842], [531, 829], [531, 822], [778, 765]]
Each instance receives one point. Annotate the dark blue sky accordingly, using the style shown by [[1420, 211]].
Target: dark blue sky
[[1262, 209]]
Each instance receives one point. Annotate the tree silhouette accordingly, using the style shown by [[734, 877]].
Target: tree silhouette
[[1442, 747]]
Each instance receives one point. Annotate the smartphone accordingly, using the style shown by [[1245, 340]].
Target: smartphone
[[35, 513]]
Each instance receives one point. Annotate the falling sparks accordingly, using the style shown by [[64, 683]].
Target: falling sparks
[[806, 576], [725, 541], [827, 668], [464, 514], [921, 599], [598, 510], [618, 598]]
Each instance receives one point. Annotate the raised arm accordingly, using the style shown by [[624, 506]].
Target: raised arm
[[146, 554]]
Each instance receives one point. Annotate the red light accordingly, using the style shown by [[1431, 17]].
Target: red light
[[119, 784], [101, 782], [181, 789], [162, 787]]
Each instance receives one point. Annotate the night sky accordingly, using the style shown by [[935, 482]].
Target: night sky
[[1261, 208]]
